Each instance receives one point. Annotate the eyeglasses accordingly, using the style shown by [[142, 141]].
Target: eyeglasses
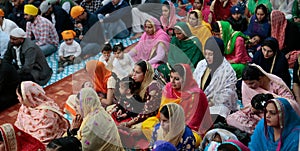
[[68, 39]]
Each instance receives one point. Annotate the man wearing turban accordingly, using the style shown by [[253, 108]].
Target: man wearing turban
[[41, 30]]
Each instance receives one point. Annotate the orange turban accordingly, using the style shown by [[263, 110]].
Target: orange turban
[[76, 11], [68, 34]]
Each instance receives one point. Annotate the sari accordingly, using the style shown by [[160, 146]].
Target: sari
[[252, 4], [153, 48], [179, 134], [15, 139], [276, 87], [169, 23], [235, 49], [289, 122], [221, 89], [39, 115], [186, 51], [98, 130], [99, 74], [202, 31]]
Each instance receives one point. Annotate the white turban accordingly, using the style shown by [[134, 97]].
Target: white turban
[[18, 32]]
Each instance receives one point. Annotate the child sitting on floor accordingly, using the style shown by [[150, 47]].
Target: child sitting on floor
[[68, 51], [69, 107], [122, 63], [129, 102], [106, 56]]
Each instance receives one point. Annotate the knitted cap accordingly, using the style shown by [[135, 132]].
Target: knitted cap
[[18, 33], [76, 11], [30, 9]]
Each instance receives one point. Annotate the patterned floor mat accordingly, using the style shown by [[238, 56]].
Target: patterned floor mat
[[53, 62]]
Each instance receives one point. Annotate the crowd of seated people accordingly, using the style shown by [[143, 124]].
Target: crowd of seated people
[[204, 75]]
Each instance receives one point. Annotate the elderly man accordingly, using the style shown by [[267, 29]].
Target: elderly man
[[27, 57], [41, 30]]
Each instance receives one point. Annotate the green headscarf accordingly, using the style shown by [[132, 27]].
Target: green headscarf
[[190, 46], [295, 9], [251, 5], [229, 36]]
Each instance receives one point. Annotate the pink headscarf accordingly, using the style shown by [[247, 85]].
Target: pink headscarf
[[278, 25], [148, 42], [171, 21], [39, 115]]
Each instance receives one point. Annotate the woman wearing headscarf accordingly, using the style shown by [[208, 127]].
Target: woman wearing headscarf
[[14, 139], [39, 115], [259, 23], [252, 6], [168, 18], [153, 45], [272, 60], [234, 42], [103, 79], [183, 90], [215, 76], [287, 35], [184, 47], [198, 26], [279, 129], [98, 130], [173, 129], [220, 10], [256, 80]]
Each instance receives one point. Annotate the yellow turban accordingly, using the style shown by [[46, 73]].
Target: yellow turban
[[68, 34], [76, 11], [30, 9]]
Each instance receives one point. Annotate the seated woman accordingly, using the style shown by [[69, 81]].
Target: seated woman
[[232, 145], [279, 130], [184, 47], [256, 80], [247, 118], [215, 137], [104, 81], [168, 18], [234, 42], [287, 35], [217, 79], [253, 4], [39, 115], [153, 45], [259, 23], [220, 10], [14, 139], [172, 128], [97, 130], [272, 60], [198, 26]]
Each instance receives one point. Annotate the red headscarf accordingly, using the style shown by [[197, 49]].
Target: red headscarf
[[16, 140], [99, 74], [192, 99], [278, 25]]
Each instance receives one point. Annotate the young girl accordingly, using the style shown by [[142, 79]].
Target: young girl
[[122, 63], [68, 50], [130, 103], [106, 56]]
